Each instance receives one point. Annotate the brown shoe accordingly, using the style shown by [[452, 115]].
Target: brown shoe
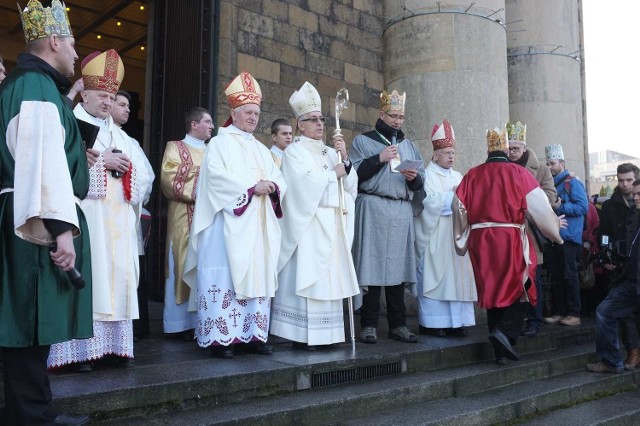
[[402, 334], [603, 367], [569, 320], [553, 320], [633, 359]]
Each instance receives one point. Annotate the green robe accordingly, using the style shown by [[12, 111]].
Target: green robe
[[38, 304]]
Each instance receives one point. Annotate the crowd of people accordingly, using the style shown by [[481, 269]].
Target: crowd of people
[[271, 242]]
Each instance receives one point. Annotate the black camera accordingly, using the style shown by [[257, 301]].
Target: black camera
[[612, 252], [116, 174]]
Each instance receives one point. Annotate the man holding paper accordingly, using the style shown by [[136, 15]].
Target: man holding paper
[[390, 192]]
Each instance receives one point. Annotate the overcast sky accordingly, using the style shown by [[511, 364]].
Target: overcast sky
[[611, 35]]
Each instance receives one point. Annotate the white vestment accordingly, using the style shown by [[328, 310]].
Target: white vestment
[[316, 269], [235, 241], [112, 209], [446, 286]]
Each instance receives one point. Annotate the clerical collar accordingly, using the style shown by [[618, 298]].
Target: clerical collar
[[497, 157], [387, 131], [30, 61], [234, 129], [277, 151], [313, 145], [193, 142], [442, 169], [102, 123]]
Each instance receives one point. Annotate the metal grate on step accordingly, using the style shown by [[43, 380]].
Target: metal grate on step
[[355, 374]]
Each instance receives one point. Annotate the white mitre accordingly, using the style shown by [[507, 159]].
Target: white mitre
[[554, 152], [305, 100]]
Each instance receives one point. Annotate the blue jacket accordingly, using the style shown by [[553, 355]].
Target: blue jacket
[[574, 205]]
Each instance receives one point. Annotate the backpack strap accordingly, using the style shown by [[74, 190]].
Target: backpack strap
[[567, 184]]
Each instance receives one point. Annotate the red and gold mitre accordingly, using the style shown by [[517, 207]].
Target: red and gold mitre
[[103, 71], [244, 89], [40, 22], [393, 101], [442, 136], [497, 140]]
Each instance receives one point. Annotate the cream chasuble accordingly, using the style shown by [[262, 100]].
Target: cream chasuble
[[446, 276], [235, 240], [316, 269], [112, 208]]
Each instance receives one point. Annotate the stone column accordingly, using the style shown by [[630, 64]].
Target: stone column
[[451, 60], [545, 79]]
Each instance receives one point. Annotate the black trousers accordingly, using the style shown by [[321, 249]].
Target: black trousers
[[396, 312], [508, 320], [27, 394]]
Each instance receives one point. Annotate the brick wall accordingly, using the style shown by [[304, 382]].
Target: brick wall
[[283, 43]]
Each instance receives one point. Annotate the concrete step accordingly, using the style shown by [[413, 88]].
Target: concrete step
[[404, 392], [508, 403], [165, 382], [618, 410]]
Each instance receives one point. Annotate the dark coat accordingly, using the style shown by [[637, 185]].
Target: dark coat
[[614, 215]]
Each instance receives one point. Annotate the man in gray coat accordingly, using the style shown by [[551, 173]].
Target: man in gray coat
[[391, 185]]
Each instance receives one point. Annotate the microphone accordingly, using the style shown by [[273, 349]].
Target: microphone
[[394, 137], [76, 278]]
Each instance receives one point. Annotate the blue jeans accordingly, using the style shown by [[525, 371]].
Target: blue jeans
[[563, 275], [621, 302]]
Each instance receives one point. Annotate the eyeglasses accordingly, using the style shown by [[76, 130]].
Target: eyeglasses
[[315, 119], [395, 116], [447, 153], [515, 148]]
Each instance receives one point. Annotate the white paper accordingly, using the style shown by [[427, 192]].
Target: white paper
[[408, 165]]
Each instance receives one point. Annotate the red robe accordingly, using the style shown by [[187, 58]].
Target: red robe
[[496, 192]]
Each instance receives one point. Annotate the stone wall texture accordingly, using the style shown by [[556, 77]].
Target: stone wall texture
[[469, 62], [330, 44]]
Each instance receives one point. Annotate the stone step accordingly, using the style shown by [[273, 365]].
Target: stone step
[[618, 410], [403, 392], [508, 403], [164, 382]]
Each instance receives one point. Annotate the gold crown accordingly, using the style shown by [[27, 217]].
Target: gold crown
[[392, 102], [40, 22], [517, 132], [497, 140]]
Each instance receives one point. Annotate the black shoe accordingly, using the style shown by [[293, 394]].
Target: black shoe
[[436, 332], [187, 336], [111, 360], [260, 348], [501, 342], [225, 352], [81, 368], [303, 346], [69, 420], [457, 332], [530, 330]]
